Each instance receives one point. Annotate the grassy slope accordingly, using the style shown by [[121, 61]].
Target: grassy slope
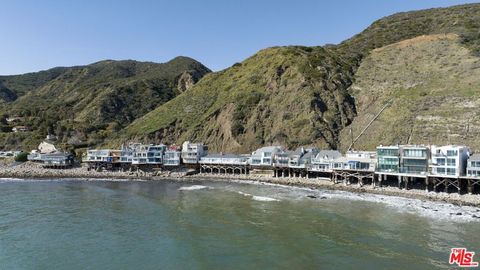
[[291, 95], [275, 96], [435, 87]]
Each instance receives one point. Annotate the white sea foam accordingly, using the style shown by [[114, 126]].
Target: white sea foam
[[264, 199], [430, 209], [194, 187], [425, 208], [9, 179], [258, 198]]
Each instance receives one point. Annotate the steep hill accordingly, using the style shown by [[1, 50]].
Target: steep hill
[[83, 105], [300, 95], [433, 83]]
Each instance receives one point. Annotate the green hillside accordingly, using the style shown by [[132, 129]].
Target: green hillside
[[303, 95], [434, 85], [84, 105]]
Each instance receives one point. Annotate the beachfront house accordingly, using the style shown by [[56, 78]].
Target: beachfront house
[[360, 160], [7, 154], [449, 160], [414, 159], [52, 160], [323, 160], [193, 152], [57, 160], [126, 154], [301, 158], [388, 158], [172, 156], [148, 154], [473, 166], [99, 156], [225, 159], [265, 156]]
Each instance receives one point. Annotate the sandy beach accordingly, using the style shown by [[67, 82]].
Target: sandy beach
[[29, 170]]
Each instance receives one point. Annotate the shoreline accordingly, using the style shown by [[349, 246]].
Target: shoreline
[[32, 171]]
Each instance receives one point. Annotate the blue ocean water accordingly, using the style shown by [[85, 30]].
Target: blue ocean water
[[219, 225]]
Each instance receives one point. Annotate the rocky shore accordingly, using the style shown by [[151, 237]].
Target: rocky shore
[[29, 170], [35, 170]]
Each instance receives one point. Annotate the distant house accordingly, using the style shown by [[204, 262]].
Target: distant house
[[192, 152], [172, 156], [473, 166], [6, 154], [361, 160], [20, 129], [449, 160], [224, 159], [148, 154], [323, 160], [356, 160], [302, 157], [265, 156], [388, 158], [53, 160]]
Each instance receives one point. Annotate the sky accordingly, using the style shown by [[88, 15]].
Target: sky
[[37, 35]]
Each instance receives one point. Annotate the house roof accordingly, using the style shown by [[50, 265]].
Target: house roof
[[474, 157], [328, 154]]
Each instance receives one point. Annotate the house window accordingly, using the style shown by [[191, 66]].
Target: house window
[[440, 161], [451, 171], [452, 153], [441, 170], [415, 153], [451, 162]]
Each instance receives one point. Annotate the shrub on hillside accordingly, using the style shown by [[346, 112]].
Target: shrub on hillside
[[22, 157]]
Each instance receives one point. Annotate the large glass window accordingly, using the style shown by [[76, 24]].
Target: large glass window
[[451, 171], [387, 152], [441, 170], [415, 153], [451, 162], [440, 161], [451, 153]]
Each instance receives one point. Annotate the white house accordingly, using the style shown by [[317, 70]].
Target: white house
[[148, 154], [449, 160], [172, 156], [265, 156], [224, 159], [302, 157], [358, 160], [473, 166], [192, 152], [323, 160], [99, 155]]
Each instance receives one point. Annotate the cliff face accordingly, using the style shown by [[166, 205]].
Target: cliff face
[[289, 95], [304, 96]]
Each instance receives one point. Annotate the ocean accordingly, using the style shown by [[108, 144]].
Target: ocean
[[71, 224]]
